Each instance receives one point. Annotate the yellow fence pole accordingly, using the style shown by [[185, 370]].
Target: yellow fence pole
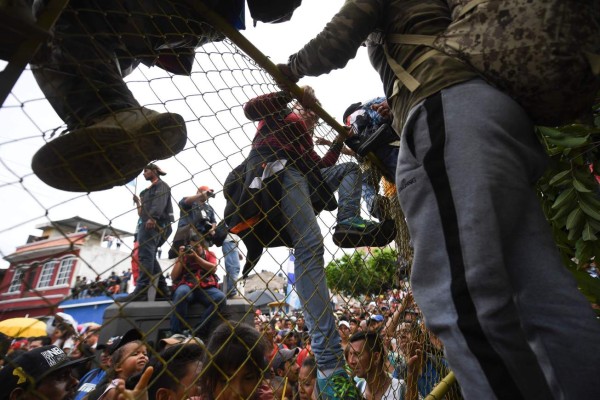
[[442, 387]]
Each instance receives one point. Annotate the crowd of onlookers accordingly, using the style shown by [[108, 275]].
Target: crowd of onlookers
[[384, 340], [113, 284]]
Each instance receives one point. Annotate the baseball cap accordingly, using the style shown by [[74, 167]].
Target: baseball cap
[[377, 317], [353, 107], [34, 365], [115, 342], [344, 323], [209, 191], [155, 168], [282, 356]]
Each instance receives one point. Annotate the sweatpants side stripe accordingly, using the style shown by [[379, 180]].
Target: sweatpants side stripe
[[434, 163]]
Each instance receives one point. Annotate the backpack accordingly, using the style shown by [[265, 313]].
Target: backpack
[[543, 53]]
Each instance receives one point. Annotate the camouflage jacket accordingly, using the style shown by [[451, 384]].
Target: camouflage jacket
[[369, 21]]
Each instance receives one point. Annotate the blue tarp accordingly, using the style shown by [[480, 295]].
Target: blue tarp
[[89, 309]]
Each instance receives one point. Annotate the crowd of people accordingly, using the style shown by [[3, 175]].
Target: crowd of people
[[388, 351]]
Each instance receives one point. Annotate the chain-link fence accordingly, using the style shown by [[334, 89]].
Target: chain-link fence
[[195, 219]]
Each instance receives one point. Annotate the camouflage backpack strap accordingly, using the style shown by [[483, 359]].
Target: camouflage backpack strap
[[404, 75]]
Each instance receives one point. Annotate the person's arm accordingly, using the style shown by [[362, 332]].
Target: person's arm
[[190, 199], [339, 40], [392, 323], [268, 104], [326, 142], [208, 263], [177, 271], [414, 368], [138, 205]]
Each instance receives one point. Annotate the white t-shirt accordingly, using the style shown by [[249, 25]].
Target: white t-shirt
[[395, 391]]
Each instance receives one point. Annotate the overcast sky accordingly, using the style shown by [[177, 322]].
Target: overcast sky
[[216, 144]]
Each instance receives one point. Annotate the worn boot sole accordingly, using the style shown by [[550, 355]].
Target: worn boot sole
[[98, 158], [378, 237]]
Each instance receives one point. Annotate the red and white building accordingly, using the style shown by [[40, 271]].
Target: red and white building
[[43, 271]]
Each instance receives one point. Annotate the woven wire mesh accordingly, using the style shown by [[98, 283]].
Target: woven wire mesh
[[90, 235]]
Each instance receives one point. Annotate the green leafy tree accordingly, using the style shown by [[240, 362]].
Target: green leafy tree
[[570, 196], [361, 274]]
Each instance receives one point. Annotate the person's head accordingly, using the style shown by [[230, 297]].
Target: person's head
[[42, 373], [375, 322], [172, 340], [39, 341], [205, 192], [362, 326], [234, 362], [366, 354], [307, 378], [344, 329], [153, 172], [353, 326], [269, 330], [309, 117], [129, 359], [176, 372], [90, 335], [284, 364], [300, 322], [291, 339]]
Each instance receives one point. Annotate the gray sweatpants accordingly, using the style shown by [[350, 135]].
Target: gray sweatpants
[[486, 272]]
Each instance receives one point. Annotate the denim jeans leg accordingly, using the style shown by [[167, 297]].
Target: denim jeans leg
[[232, 265], [346, 179], [311, 283], [148, 241], [213, 300], [181, 299]]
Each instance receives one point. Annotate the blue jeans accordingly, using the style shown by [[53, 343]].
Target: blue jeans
[[346, 179], [149, 241], [232, 265], [311, 284], [211, 298]]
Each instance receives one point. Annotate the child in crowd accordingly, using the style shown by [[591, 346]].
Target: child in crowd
[[128, 360]]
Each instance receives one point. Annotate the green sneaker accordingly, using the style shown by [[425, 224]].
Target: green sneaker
[[356, 232], [356, 224], [337, 386]]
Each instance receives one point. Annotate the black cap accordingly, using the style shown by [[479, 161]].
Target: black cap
[[156, 169], [115, 342], [34, 365], [350, 110]]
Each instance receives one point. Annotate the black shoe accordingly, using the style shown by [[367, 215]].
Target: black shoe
[[384, 135], [373, 235]]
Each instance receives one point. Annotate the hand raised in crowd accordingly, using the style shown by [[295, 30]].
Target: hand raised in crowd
[[136, 200], [140, 392], [382, 109]]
